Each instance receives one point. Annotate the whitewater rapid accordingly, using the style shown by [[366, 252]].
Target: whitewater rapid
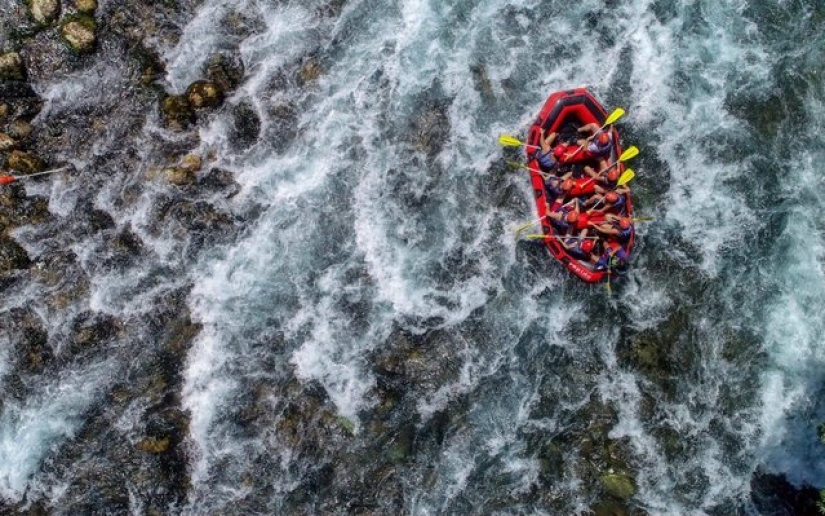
[[373, 327]]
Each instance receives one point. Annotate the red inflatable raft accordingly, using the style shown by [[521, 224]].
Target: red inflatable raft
[[566, 111]]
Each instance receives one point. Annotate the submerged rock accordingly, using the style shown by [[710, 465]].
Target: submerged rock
[[24, 162], [11, 67], [12, 256], [44, 11], [246, 126], [225, 70], [310, 72], [204, 94], [79, 32], [19, 99]]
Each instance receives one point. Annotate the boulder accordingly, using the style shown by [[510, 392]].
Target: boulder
[[179, 176], [20, 129], [177, 113], [79, 32], [6, 142], [11, 67], [86, 6], [24, 162], [44, 11], [204, 94]]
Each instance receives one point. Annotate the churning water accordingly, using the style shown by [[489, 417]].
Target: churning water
[[369, 336]]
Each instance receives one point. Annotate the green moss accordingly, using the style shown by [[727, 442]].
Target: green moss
[[618, 485]]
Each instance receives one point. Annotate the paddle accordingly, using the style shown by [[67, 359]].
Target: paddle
[[614, 116], [532, 222], [509, 141], [536, 236], [630, 153], [626, 177], [7, 179], [525, 167]]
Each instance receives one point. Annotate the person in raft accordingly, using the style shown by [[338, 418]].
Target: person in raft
[[615, 226], [598, 143], [581, 248], [610, 202], [564, 218], [548, 156], [614, 257]]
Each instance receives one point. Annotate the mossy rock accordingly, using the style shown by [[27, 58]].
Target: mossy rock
[[204, 94], [86, 6], [11, 67], [154, 445], [24, 162], [618, 485], [44, 12], [177, 113], [79, 32]]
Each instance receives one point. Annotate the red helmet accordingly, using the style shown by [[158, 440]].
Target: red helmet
[[587, 246], [558, 152], [624, 223], [567, 184], [613, 175], [611, 197], [572, 217], [604, 139]]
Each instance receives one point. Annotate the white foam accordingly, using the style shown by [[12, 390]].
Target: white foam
[[35, 428]]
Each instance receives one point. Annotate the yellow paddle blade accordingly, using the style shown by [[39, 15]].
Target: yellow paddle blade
[[642, 219], [626, 177], [535, 236], [615, 115], [509, 141], [629, 153]]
